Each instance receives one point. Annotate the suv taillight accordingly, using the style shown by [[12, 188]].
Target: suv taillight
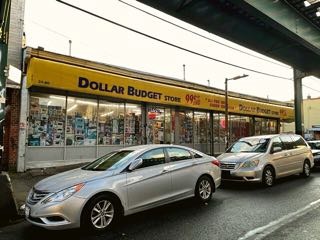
[[216, 162]]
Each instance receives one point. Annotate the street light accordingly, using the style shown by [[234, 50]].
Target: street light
[[227, 135]]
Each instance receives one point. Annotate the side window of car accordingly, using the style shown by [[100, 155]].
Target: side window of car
[[287, 142], [298, 142], [153, 157], [196, 155], [276, 142], [178, 154]]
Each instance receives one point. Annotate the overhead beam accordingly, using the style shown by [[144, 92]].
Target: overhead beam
[[244, 22]]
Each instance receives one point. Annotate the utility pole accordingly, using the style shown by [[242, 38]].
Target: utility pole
[[184, 71], [70, 43], [226, 108]]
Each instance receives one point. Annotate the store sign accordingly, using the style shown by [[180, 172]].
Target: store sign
[[50, 74]]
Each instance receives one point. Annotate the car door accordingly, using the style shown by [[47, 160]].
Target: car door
[[300, 151], [150, 184], [288, 162], [277, 158], [182, 167]]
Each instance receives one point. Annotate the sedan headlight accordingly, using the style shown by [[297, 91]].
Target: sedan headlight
[[64, 194], [250, 164]]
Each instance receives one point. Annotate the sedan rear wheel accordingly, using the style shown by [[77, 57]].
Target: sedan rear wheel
[[204, 189]]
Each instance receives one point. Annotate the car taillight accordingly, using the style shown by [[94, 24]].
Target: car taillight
[[216, 162]]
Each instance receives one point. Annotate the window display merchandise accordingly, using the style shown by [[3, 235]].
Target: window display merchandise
[[81, 123], [46, 121]]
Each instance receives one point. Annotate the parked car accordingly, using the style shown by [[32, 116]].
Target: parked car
[[122, 182], [266, 158], [315, 148]]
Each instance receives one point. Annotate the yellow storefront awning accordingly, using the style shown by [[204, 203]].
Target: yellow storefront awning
[[56, 75]]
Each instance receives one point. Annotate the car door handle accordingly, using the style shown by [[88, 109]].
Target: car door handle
[[165, 170]]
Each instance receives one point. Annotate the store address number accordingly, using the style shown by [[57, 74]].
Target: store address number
[[43, 82]]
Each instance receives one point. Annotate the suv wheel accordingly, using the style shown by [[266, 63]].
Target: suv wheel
[[268, 176], [204, 189], [306, 169]]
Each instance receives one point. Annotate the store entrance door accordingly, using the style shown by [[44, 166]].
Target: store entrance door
[[159, 125]]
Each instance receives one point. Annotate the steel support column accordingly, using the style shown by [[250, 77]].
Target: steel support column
[[298, 101]]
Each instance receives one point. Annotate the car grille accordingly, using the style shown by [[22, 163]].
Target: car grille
[[35, 196], [227, 166]]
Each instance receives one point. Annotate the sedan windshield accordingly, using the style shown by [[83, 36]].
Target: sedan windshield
[[110, 161], [250, 145]]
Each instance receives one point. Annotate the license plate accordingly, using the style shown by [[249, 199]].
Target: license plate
[[27, 211], [225, 174]]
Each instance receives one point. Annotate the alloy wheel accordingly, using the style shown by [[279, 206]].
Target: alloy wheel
[[306, 169], [268, 175], [102, 214], [204, 189]]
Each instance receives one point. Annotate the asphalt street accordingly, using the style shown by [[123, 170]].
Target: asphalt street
[[235, 210]]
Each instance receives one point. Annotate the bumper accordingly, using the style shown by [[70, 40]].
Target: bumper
[[55, 216], [317, 161], [242, 175]]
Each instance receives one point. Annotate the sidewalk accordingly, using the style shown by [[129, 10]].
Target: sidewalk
[[23, 182]]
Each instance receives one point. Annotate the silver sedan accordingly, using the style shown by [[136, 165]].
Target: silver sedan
[[122, 182]]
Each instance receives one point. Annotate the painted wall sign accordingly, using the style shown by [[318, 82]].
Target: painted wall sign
[[50, 74]]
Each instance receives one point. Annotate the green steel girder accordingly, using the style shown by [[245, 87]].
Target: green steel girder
[[264, 26]]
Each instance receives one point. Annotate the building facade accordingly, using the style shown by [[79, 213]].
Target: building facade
[[74, 110], [311, 112]]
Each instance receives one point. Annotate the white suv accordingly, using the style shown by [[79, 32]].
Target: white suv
[[266, 158]]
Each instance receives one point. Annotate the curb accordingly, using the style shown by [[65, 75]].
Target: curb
[[8, 206]]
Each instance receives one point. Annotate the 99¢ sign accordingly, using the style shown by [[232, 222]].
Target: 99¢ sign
[[193, 99]]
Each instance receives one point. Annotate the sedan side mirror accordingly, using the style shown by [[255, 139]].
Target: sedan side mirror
[[135, 164], [276, 149]]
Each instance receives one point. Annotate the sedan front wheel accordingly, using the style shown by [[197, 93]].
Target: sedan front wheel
[[100, 213]]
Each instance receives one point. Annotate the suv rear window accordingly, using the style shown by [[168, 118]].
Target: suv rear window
[[298, 142]]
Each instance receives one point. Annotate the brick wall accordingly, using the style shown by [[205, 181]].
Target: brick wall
[[15, 33], [11, 130]]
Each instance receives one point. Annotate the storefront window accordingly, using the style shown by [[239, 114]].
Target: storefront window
[[239, 127], [169, 126], [264, 126], [257, 126], [200, 127], [133, 124], [111, 123], [186, 127], [218, 133], [81, 126], [273, 126], [155, 125], [201, 131], [46, 120]]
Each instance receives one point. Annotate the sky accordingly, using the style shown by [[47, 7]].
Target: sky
[[51, 25]]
